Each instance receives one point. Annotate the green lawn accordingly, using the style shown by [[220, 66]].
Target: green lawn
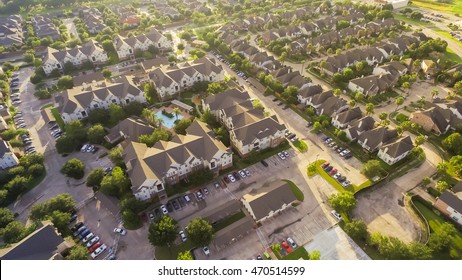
[[228, 221], [454, 8], [435, 221], [301, 145], [296, 190], [298, 253], [352, 188], [171, 253], [58, 118], [452, 56]]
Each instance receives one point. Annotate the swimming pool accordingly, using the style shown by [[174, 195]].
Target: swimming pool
[[168, 122]]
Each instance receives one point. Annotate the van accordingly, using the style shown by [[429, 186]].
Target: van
[[186, 197]]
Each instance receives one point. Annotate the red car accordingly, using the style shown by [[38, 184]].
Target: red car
[[286, 246], [332, 173], [94, 247], [325, 164]]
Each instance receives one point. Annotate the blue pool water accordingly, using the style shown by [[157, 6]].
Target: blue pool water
[[168, 122]]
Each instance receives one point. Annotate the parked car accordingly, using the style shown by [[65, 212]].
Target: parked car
[[325, 164], [164, 209], [281, 156], [291, 242], [183, 236], [98, 251], [346, 183], [199, 195], [95, 246], [186, 197], [120, 231], [92, 241], [336, 215], [217, 185], [236, 176], [242, 173], [348, 156], [79, 230], [231, 178], [76, 226], [84, 233], [338, 175], [286, 154], [151, 216], [88, 237], [332, 172], [206, 191], [328, 168], [264, 163], [328, 140], [206, 250], [341, 179], [286, 246]]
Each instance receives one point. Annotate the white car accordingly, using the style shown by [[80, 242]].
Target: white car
[[164, 209], [242, 173], [281, 155], [231, 178], [336, 215], [183, 236], [84, 148], [88, 237], [206, 250], [120, 231], [21, 125], [247, 172], [98, 251], [199, 195], [93, 241], [291, 242]]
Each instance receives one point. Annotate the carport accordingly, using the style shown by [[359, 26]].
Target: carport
[[224, 210], [233, 232], [110, 203], [48, 116]]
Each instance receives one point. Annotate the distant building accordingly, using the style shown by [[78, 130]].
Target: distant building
[[269, 200], [397, 3]]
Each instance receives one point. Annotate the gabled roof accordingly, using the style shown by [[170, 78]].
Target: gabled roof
[[378, 136], [226, 99], [39, 245], [310, 91], [398, 147], [350, 115], [258, 130], [153, 163], [438, 116], [269, 198], [451, 200], [132, 128], [4, 148]]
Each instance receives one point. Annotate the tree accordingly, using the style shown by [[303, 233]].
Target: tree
[[177, 112], [17, 186], [383, 116], [200, 231], [78, 252], [214, 88], [76, 131], [441, 186], [372, 168], [156, 136], [453, 143], [399, 101], [391, 248], [115, 184], [95, 177], [316, 127], [419, 140], [65, 144], [337, 92], [186, 255], [416, 15], [343, 202], [181, 126], [356, 229], [315, 255], [106, 73], [370, 108], [61, 221], [96, 134], [115, 155], [65, 82], [163, 232], [6, 217], [435, 92], [13, 232], [134, 108], [98, 115], [73, 168], [116, 113], [456, 163], [442, 237], [419, 251], [256, 103]]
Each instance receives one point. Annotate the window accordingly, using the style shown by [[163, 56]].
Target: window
[[114, 101], [210, 78], [93, 58], [158, 44], [212, 164], [95, 106], [176, 87], [198, 78], [127, 100], [84, 114], [130, 51], [58, 66]]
